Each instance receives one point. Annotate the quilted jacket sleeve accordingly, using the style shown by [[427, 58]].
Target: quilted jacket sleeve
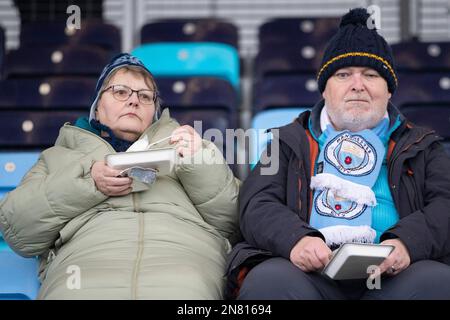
[[212, 188], [55, 190]]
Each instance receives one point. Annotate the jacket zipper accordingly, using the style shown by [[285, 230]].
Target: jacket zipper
[[134, 280]]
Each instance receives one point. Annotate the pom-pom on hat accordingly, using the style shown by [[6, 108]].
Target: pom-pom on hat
[[357, 45]]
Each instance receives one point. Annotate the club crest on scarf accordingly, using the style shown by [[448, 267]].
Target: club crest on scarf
[[327, 204], [351, 154]]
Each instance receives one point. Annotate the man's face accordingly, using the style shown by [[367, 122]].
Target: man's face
[[127, 119], [356, 98]]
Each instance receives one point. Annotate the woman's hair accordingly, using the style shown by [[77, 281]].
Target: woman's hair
[[149, 81]]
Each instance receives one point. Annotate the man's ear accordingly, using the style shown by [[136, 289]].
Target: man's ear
[[324, 94]]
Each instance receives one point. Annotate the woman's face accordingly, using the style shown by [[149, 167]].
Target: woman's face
[[127, 119]]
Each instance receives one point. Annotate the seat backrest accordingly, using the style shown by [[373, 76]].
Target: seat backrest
[[47, 93], [2, 50], [266, 120], [285, 91], [190, 30], [13, 167], [422, 88], [422, 56], [304, 30], [50, 61], [290, 59], [18, 277], [33, 129], [211, 124], [50, 33], [435, 117], [197, 92], [185, 59]]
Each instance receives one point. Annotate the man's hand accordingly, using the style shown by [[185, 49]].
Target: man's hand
[[310, 254], [187, 140], [107, 182], [398, 260]]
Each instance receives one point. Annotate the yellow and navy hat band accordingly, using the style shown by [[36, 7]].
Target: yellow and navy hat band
[[360, 54]]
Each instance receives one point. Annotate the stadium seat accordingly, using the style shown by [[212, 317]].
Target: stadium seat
[[291, 59], [18, 277], [265, 120], [197, 91], [280, 32], [47, 93], [33, 129], [190, 30], [184, 59], [67, 60], [3, 244], [211, 124], [55, 33], [285, 91], [13, 167], [436, 117], [2, 50], [422, 56], [422, 89]]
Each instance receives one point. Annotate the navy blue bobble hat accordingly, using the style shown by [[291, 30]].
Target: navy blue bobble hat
[[121, 60], [355, 44]]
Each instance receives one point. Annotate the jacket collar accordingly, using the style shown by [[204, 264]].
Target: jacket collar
[[69, 135]]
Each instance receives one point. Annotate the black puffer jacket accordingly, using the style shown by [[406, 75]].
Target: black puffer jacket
[[275, 209]]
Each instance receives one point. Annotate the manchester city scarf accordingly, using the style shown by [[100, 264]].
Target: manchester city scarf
[[347, 168]]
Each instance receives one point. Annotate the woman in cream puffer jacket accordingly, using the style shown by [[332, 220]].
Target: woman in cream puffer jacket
[[169, 241]]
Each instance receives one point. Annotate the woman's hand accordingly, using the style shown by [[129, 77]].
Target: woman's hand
[[310, 254], [187, 140], [107, 182]]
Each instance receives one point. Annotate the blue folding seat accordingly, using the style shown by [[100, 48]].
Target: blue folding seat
[[285, 91], [18, 277], [422, 56], [55, 33], [435, 117], [280, 32], [66, 60], [290, 59], [33, 129], [184, 59], [266, 120], [422, 88], [13, 167], [190, 30], [47, 93], [3, 244]]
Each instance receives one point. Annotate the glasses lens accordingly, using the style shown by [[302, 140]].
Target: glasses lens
[[146, 96], [121, 92]]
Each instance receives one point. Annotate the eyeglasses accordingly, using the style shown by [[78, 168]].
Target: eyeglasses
[[123, 93]]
